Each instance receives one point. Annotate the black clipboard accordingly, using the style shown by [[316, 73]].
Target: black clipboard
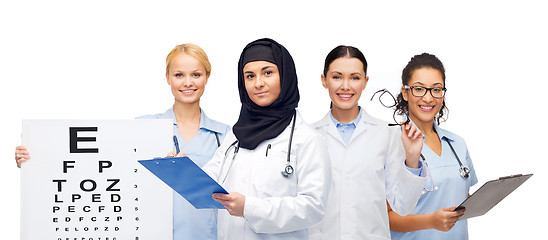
[[490, 194], [187, 179]]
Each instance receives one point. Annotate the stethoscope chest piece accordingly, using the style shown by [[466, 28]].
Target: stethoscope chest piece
[[287, 170], [464, 172]]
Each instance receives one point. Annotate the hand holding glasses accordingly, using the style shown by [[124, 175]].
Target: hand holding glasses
[[389, 101]]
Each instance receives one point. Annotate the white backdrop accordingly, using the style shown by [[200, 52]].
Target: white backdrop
[[105, 60]]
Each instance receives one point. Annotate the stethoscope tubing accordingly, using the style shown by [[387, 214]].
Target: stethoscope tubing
[[236, 147], [287, 169], [463, 171]]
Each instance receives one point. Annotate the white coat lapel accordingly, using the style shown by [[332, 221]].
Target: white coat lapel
[[365, 122], [327, 125]]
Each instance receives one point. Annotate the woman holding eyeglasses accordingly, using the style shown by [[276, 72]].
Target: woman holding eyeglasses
[[370, 161], [445, 154]]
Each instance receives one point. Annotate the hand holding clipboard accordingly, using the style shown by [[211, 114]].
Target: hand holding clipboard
[[187, 179], [490, 194]]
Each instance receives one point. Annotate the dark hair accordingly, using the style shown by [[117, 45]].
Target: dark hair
[[344, 51], [424, 60]]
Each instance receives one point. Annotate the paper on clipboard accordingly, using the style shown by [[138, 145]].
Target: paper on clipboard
[[187, 179], [490, 194]]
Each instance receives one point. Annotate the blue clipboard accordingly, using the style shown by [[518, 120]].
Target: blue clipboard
[[187, 179]]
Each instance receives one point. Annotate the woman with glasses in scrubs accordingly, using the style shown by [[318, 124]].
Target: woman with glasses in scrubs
[[187, 72], [371, 162], [445, 154]]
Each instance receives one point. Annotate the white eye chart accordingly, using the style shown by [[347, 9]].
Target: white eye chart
[[83, 180]]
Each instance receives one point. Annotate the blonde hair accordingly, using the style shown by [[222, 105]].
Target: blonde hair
[[193, 50]]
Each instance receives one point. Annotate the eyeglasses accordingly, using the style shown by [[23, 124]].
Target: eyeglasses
[[388, 100], [419, 91]]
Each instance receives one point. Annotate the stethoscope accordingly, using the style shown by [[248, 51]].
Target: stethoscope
[[463, 170], [287, 169]]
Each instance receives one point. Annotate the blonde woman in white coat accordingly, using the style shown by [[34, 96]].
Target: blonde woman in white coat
[[371, 162]]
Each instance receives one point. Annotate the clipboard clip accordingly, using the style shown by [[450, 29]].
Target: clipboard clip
[[159, 158], [511, 176]]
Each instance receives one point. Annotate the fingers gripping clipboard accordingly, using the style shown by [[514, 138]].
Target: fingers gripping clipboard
[[490, 194], [187, 179]]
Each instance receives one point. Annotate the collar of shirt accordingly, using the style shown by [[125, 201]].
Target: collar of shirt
[[205, 122], [442, 133], [346, 129], [353, 123]]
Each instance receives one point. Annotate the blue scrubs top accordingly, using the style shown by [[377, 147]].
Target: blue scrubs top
[[452, 188], [189, 222]]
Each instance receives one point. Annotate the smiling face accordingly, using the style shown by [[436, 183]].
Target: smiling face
[[345, 81], [262, 82], [424, 109], [187, 78]]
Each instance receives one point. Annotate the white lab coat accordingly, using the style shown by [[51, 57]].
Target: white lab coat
[[276, 207], [365, 174]]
